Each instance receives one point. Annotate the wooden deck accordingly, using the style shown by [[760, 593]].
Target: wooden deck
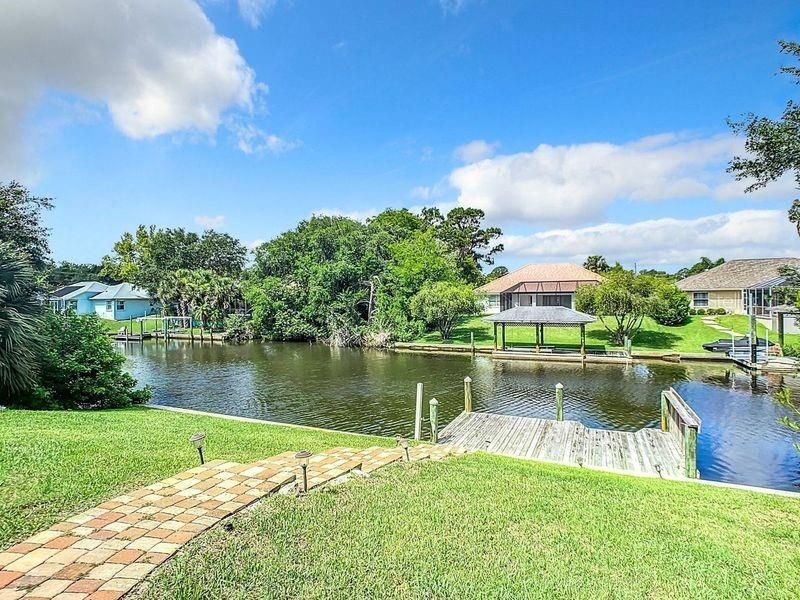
[[649, 452]]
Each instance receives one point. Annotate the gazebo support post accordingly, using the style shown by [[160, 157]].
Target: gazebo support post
[[495, 335], [503, 334], [541, 337], [780, 329], [583, 340], [538, 338]]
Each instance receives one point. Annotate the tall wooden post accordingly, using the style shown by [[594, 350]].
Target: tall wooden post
[[690, 450], [753, 335], [538, 338], [495, 336], [541, 337], [583, 340], [559, 402], [467, 394], [141, 332], [418, 414], [472, 341], [503, 327], [191, 329], [434, 420], [780, 329], [664, 412]]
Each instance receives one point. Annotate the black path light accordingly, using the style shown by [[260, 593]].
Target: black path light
[[198, 441], [302, 458]]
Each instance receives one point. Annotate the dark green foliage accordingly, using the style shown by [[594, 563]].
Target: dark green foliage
[[80, 368], [66, 272], [20, 222], [149, 256], [596, 264], [20, 321], [621, 301], [670, 305], [238, 328], [442, 303], [772, 145], [704, 264]]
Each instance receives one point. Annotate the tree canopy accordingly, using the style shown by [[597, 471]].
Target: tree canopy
[[21, 222]]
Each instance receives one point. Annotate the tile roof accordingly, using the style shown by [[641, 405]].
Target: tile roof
[[737, 274], [76, 289], [539, 272]]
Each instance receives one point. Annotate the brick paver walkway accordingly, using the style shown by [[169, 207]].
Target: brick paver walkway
[[102, 553]]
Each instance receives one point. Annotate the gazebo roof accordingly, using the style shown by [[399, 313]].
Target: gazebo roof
[[786, 309], [541, 315]]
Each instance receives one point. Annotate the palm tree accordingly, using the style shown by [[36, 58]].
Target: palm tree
[[20, 323]]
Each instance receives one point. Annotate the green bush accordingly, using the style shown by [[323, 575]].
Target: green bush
[[670, 305], [790, 350], [441, 304], [79, 368], [701, 311], [238, 328], [692, 311]]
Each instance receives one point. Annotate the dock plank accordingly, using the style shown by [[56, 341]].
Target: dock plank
[[647, 452]]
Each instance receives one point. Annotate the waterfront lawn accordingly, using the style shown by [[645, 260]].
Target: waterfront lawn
[[55, 464], [741, 325], [689, 337], [482, 526]]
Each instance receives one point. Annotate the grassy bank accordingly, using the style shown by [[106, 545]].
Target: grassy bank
[[54, 464], [689, 337], [481, 526], [741, 325]]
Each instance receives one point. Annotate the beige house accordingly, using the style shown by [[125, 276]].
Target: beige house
[[536, 285], [737, 284]]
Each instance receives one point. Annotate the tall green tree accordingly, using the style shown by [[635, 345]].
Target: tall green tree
[[621, 301], [442, 304], [772, 145], [596, 264], [20, 323], [463, 233], [704, 264], [21, 222]]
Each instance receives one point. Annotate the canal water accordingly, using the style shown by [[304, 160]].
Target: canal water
[[373, 391]]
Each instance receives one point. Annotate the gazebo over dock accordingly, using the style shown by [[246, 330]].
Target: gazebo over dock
[[539, 317]]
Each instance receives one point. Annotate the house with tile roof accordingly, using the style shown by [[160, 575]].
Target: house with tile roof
[[115, 302], [537, 284], [737, 285]]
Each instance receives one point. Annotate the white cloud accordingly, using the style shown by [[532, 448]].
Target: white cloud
[[158, 66], [741, 234], [207, 222], [475, 150], [575, 184], [254, 244], [253, 11], [252, 140]]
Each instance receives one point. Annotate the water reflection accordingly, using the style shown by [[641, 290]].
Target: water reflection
[[373, 392]]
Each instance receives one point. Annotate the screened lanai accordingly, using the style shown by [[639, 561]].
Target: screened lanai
[[540, 318]]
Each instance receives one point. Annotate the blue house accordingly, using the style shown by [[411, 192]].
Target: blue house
[[113, 302]]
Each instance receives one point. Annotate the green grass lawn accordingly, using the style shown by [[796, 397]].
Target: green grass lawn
[[149, 325], [470, 527], [55, 464], [741, 325], [481, 526], [652, 336]]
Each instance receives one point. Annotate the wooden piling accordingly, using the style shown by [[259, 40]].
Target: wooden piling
[[418, 414], [664, 412], [690, 450], [559, 402], [434, 420], [467, 394], [472, 341]]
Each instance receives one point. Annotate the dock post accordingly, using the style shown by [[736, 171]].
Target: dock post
[[141, 332], [583, 340], [418, 414], [664, 412], [780, 330], [434, 420], [559, 402], [495, 335], [690, 450], [503, 333], [472, 341], [467, 394]]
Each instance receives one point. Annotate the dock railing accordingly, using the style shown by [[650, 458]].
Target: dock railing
[[678, 418]]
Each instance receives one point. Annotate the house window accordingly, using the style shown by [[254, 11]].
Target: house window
[[700, 299], [72, 305], [493, 301], [109, 306], [120, 304]]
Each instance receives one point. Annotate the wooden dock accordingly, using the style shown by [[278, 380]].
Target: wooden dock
[[669, 452]]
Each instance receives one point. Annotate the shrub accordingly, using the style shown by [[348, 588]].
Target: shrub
[[81, 369], [238, 328], [440, 305], [701, 311], [692, 311], [790, 350], [670, 305], [722, 311]]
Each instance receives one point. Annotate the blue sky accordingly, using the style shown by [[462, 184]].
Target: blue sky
[[579, 128]]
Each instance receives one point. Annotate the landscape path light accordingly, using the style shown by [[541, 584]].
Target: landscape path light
[[403, 443], [198, 441], [302, 458]]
